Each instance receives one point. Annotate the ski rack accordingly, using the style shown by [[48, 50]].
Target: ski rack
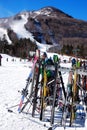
[[80, 71]]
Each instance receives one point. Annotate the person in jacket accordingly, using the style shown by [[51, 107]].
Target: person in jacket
[[0, 59], [73, 62]]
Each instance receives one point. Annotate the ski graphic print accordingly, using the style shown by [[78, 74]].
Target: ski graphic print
[[43, 92], [74, 98], [34, 105]]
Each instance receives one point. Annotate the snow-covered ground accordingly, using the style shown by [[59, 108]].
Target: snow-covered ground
[[13, 75]]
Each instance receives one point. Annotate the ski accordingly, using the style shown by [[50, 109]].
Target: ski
[[28, 101], [35, 96], [30, 97], [64, 113], [25, 90], [63, 87], [81, 87], [54, 126], [43, 90], [54, 94], [74, 98]]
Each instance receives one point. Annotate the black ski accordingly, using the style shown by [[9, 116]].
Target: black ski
[[63, 120], [63, 87], [54, 94], [42, 92]]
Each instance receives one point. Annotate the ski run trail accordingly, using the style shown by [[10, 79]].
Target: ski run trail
[[13, 75]]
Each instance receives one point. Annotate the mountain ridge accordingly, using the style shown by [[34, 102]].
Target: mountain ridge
[[47, 25]]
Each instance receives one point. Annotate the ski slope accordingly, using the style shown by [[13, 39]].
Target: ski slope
[[13, 75]]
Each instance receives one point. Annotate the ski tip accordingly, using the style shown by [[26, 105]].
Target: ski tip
[[44, 125], [10, 111], [50, 128], [19, 110]]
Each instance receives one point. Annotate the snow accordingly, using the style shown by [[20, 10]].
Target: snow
[[13, 75], [18, 27], [3, 32], [44, 11]]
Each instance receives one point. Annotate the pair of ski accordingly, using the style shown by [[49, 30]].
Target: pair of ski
[[64, 113], [25, 90], [43, 92]]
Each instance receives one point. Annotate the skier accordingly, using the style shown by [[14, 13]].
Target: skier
[[84, 65], [44, 57], [85, 99], [78, 64], [73, 62], [55, 58], [0, 59]]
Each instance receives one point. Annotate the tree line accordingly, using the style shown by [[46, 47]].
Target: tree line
[[19, 48]]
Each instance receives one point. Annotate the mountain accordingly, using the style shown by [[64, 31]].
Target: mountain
[[47, 26]]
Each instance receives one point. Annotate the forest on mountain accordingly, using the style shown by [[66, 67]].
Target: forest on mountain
[[19, 48]]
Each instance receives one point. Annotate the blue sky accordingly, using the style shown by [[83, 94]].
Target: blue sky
[[75, 8]]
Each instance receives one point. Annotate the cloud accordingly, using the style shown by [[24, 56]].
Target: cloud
[[5, 12]]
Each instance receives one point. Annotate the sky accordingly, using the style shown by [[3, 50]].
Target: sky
[[75, 8]]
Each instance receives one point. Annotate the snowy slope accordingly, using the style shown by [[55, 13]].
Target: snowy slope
[[13, 75], [18, 27], [17, 24]]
